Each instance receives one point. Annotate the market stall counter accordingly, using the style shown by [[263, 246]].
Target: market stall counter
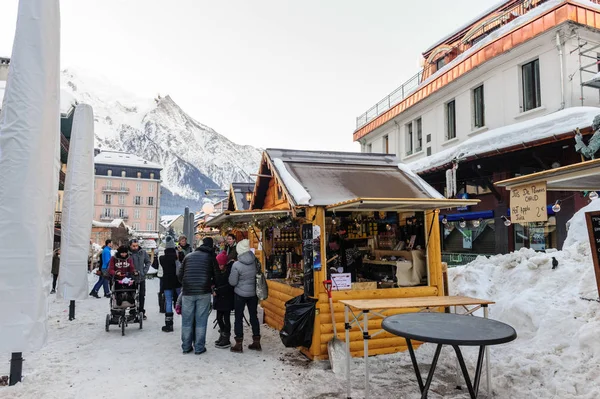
[[364, 221]]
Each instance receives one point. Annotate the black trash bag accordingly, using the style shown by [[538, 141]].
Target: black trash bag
[[299, 322]]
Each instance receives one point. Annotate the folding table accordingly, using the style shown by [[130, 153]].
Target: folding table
[[377, 308]]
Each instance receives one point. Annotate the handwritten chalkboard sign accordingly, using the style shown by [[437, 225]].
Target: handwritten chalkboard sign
[[528, 203], [307, 258], [593, 225]]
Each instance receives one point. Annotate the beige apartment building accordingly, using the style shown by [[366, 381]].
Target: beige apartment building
[[127, 187]]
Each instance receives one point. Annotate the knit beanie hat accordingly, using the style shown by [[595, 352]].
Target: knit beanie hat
[[222, 258], [123, 249], [208, 242], [169, 242], [243, 247]]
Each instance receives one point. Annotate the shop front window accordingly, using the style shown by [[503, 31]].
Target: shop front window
[[538, 236], [474, 237]]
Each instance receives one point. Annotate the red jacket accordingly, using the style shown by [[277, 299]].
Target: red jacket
[[119, 264]]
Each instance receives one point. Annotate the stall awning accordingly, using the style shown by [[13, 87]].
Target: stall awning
[[246, 217], [583, 176], [399, 204]]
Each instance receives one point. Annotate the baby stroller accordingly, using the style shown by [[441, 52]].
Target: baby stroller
[[124, 303]]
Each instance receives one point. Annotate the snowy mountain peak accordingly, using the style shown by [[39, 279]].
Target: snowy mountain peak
[[193, 155]]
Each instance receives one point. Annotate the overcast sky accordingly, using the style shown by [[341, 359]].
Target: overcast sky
[[271, 73]]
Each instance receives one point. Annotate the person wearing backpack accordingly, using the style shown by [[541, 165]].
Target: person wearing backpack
[[243, 279], [169, 281]]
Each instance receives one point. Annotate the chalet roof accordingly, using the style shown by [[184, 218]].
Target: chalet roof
[[124, 159], [318, 178], [113, 225], [167, 220]]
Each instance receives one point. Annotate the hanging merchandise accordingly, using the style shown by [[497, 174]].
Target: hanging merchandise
[[449, 183], [454, 179]]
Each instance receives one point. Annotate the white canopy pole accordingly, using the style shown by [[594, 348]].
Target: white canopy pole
[[29, 170], [78, 208]]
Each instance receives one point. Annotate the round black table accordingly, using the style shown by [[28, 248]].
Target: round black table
[[449, 329]]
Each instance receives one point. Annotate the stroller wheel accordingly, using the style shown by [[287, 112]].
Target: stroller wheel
[[107, 322]]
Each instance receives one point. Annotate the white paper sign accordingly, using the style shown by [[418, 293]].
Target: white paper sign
[[341, 281]]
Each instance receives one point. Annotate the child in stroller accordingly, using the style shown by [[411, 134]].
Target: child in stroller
[[122, 271]]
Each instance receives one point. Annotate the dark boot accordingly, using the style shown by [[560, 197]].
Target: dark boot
[[94, 294], [255, 345], [239, 345], [220, 338], [168, 327], [224, 342], [161, 302]]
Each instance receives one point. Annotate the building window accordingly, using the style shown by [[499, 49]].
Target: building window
[[136, 213], [136, 226], [109, 172], [138, 187], [149, 226], [369, 148], [409, 139], [151, 201], [121, 212], [386, 144], [428, 151], [108, 199], [123, 173], [450, 120], [139, 175], [106, 212], [108, 184], [137, 200], [150, 214], [429, 138], [151, 187], [439, 64], [478, 107], [419, 123], [121, 200], [152, 175], [531, 85]]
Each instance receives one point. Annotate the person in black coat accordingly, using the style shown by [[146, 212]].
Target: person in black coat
[[169, 281], [223, 299]]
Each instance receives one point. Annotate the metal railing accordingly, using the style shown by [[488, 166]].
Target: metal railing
[[111, 189], [106, 217], [413, 83]]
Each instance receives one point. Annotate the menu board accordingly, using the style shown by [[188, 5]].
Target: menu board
[[528, 203], [307, 258], [593, 225]]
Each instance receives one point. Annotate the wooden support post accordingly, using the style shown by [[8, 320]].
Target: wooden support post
[[434, 251]]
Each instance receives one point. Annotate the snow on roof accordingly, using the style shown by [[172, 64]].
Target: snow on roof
[[113, 225], [593, 82], [327, 178], [535, 129], [167, 220], [124, 159]]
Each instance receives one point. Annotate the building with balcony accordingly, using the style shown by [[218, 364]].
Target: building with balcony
[[127, 187], [499, 97]]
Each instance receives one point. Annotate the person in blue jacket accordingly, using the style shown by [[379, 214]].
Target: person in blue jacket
[[102, 280]]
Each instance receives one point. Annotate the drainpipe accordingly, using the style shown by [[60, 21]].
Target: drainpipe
[[559, 47]]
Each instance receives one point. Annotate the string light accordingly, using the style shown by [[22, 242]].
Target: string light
[[444, 220], [476, 223], [507, 221], [388, 227], [593, 195], [462, 223], [556, 206]]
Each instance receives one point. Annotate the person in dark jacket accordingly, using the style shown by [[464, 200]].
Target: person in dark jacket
[[197, 278], [230, 247], [243, 279], [142, 264], [55, 269], [169, 281], [183, 248], [223, 300]]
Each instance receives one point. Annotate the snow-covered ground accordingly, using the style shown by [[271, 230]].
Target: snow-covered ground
[[555, 356]]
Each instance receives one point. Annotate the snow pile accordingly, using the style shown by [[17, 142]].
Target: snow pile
[[557, 351], [577, 226], [299, 193], [546, 126]]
